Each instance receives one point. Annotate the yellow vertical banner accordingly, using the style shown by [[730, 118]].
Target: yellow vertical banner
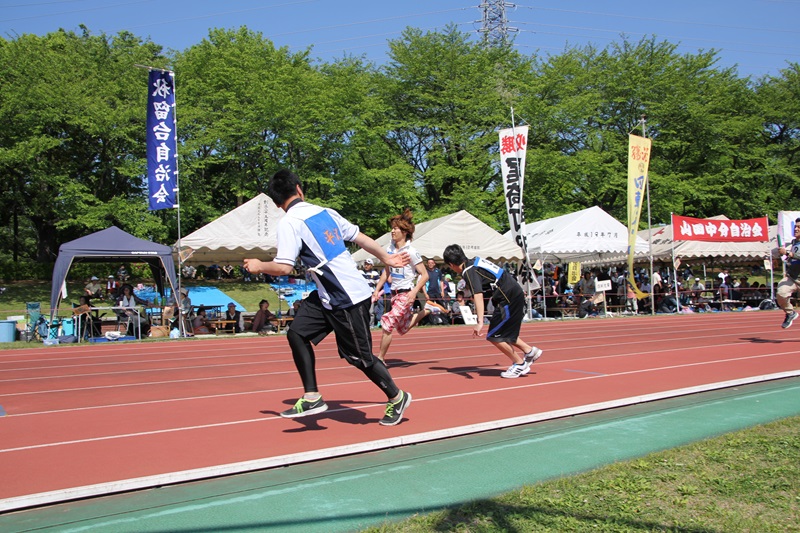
[[638, 163], [573, 273]]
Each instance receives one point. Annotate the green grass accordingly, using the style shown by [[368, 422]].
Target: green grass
[[745, 481]]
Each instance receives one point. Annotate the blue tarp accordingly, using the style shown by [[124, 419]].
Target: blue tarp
[[200, 295]]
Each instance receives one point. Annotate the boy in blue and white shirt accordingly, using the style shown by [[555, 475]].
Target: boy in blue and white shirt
[[488, 281], [340, 304]]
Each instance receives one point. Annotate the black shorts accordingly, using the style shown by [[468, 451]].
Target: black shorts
[[314, 322], [506, 321]]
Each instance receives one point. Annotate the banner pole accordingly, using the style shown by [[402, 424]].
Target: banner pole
[[674, 267], [176, 189], [650, 228], [526, 262], [181, 325]]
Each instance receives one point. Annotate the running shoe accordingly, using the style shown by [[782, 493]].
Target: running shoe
[[533, 355], [515, 370], [789, 319], [394, 411], [305, 407]]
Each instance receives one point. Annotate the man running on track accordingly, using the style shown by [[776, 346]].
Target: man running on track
[[342, 300], [487, 280], [791, 281]]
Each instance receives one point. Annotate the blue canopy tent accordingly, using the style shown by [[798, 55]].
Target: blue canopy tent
[[111, 245]]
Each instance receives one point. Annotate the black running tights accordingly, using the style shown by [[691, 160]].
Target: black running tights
[[304, 360]]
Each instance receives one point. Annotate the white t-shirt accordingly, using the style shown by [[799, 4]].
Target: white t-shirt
[[403, 277], [656, 278], [316, 236]]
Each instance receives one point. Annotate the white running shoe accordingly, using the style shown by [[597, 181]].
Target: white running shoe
[[533, 355], [515, 371]]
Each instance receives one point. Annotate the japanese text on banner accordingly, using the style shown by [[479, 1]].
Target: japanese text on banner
[[717, 230], [162, 155], [638, 163], [513, 146]]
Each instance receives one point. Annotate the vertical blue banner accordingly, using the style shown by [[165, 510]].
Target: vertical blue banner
[[162, 154]]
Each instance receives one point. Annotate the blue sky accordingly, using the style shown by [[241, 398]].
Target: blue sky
[[759, 36]]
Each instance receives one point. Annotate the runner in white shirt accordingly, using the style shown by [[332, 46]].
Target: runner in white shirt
[[341, 303], [404, 290]]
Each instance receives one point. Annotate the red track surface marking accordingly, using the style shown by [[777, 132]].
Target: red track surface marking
[[87, 420]]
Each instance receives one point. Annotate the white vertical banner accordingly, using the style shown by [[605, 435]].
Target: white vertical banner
[[513, 146]]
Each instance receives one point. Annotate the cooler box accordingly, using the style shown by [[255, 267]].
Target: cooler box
[[8, 330], [68, 326]]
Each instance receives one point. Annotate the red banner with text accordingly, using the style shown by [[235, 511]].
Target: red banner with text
[[720, 230]]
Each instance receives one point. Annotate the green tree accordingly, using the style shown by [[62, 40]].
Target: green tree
[[586, 101], [778, 100], [446, 98], [73, 154]]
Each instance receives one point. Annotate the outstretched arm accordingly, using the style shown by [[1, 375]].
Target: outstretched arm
[[256, 266]]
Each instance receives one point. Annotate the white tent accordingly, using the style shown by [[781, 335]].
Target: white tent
[[250, 230], [589, 236], [474, 236]]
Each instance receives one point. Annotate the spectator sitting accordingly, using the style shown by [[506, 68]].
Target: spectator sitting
[[201, 324], [667, 304], [697, 290], [586, 286], [122, 273], [262, 321], [90, 324], [236, 317], [93, 289], [755, 292], [227, 271], [112, 288], [129, 301], [184, 304], [455, 309], [293, 309], [434, 313]]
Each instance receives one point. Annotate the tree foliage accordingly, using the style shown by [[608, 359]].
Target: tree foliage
[[420, 131]]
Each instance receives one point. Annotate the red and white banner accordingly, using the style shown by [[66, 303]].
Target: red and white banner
[[720, 230], [513, 145]]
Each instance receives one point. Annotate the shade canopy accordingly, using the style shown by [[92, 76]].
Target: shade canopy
[[475, 237], [247, 231], [589, 235], [108, 246]]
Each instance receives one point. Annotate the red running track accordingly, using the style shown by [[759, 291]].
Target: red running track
[[88, 420]]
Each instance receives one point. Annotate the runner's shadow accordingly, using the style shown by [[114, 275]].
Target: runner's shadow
[[399, 363], [759, 340], [468, 371], [336, 411]]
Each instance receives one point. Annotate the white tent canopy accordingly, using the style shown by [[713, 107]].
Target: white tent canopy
[[661, 242], [590, 235], [462, 228], [247, 231]]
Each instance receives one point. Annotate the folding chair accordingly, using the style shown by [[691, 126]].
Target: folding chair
[[36, 326], [124, 321]]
